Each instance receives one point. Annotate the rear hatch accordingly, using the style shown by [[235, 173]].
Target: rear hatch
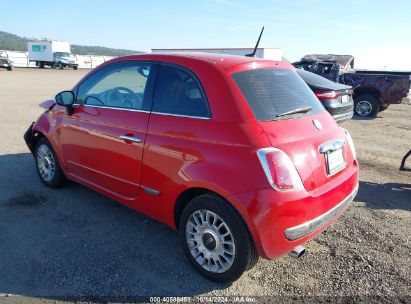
[[295, 122], [301, 140]]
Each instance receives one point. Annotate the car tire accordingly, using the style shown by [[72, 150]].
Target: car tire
[[60, 65], [366, 105], [47, 165], [215, 239], [10, 68], [75, 67]]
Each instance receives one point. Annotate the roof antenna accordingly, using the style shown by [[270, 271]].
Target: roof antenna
[[256, 46]]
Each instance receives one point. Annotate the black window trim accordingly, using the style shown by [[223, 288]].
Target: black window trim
[[197, 81], [155, 68]]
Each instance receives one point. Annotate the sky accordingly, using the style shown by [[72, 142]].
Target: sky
[[376, 32]]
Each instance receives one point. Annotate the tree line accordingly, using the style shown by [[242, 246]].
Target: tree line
[[11, 42]]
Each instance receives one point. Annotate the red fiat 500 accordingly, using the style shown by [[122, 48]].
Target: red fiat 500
[[235, 152]]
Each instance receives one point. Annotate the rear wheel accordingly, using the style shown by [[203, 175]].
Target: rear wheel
[[366, 105], [47, 165], [215, 239], [75, 67], [9, 68]]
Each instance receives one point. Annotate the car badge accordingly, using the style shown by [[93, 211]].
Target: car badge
[[317, 124]]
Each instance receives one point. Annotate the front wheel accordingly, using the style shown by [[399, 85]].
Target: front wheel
[[366, 105], [215, 239], [47, 165], [75, 67]]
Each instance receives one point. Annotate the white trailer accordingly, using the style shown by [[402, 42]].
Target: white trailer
[[266, 53], [51, 53]]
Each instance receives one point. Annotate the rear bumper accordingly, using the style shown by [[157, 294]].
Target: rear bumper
[[280, 221], [340, 111], [343, 117], [302, 230]]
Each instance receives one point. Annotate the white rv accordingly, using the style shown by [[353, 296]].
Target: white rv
[[51, 53]]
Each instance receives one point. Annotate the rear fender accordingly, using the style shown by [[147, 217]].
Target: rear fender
[[236, 204]]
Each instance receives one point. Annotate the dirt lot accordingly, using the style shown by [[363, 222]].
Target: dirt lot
[[76, 244]]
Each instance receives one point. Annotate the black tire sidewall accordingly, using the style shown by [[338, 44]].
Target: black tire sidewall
[[244, 256], [58, 178], [372, 100]]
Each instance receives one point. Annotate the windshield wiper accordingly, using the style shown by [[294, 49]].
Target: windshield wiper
[[295, 111]]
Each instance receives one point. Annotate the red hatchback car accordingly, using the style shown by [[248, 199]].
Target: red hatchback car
[[235, 152]]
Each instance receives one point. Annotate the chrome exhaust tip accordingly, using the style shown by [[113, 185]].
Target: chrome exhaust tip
[[297, 252]]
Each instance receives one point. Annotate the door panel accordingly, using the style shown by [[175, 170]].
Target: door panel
[[102, 141], [95, 153]]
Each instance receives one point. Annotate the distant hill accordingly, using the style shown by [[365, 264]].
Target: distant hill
[[11, 42]]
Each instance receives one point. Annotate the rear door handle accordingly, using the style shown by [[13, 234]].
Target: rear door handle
[[131, 138]]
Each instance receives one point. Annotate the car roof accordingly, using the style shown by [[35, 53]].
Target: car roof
[[224, 61]]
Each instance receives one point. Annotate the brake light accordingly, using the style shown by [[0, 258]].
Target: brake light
[[350, 143], [280, 170], [327, 94]]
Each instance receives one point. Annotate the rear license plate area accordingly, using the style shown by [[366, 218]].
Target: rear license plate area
[[345, 99], [335, 161]]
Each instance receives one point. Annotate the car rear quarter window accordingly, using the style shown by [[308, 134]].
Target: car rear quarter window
[[271, 92], [178, 92]]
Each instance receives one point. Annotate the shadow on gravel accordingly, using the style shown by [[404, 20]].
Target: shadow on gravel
[[74, 244], [385, 196], [356, 117]]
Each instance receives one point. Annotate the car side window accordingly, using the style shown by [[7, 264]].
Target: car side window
[[178, 92], [123, 85]]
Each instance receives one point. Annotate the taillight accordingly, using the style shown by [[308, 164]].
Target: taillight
[[280, 170], [327, 94], [350, 143]]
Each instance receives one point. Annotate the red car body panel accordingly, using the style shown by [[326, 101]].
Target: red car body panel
[[94, 152], [181, 153]]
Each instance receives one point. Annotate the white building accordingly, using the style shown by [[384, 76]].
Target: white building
[[266, 53]]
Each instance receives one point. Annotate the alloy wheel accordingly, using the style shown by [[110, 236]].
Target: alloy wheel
[[46, 163], [210, 241]]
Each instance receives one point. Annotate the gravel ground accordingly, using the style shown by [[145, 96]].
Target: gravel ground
[[75, 244]]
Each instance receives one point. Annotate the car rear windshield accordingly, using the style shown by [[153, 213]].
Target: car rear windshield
[[277, 94]]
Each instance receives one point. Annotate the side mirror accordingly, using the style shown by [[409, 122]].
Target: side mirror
[[65, 98]]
